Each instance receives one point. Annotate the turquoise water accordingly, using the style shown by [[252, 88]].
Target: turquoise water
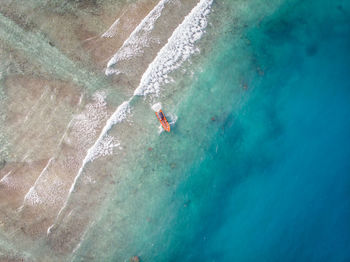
[[257, 166], [274, 184]]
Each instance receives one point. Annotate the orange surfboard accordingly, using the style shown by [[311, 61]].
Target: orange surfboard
[[162, 119]]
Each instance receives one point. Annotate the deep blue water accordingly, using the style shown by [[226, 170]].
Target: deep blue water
[[257, 165], [275, 183]]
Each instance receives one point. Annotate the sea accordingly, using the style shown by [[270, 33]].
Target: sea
[[257, 164], [256, 167]]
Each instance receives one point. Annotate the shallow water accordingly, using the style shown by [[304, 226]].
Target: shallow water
[[255, 168], [264, 177]]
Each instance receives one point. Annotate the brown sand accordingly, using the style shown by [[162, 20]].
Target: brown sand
[[50, 124]]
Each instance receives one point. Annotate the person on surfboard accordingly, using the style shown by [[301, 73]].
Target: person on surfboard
[[163, 121]]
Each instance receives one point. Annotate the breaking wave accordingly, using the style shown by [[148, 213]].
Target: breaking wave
[[180, 46], [138, 39]]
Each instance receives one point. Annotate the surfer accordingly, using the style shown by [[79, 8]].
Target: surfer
[[163, 121]]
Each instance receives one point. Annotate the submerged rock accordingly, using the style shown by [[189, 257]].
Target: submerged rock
[[187, 203], [135, 259], [2, 163]]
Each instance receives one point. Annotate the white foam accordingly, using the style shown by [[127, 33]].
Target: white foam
[[160, 129], [32, 196], [172, 118], [180, 46], [98, 148], [156, 107], [138, 39], [9, 181], [112, 30], [5, 179], [86, 124], [105, 147], [50, 194]]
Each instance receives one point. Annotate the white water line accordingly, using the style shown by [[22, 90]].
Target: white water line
[[118, 116], [112, 30], [180, 47], [5, 177], [195, 20], [52, 158], [133, 44], [65, 132], [26, 197]]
